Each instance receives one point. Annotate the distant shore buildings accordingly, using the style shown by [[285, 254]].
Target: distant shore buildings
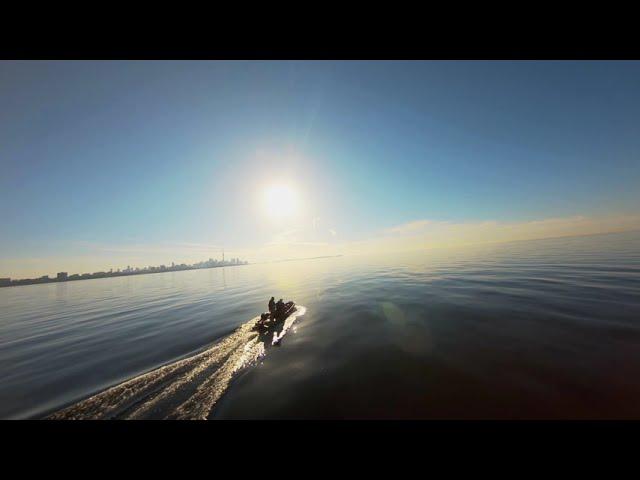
[[65, 277]]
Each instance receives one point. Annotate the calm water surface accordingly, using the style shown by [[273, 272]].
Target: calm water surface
[[540, 329]]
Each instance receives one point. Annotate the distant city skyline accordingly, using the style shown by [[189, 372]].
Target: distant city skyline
[[134, 162], [64, 276]]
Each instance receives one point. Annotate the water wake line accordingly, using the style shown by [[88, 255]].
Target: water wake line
[[187, 389]]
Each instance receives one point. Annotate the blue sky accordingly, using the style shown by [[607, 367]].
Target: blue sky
[[103, 158]]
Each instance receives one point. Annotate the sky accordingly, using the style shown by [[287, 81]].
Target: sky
[[107, 164]]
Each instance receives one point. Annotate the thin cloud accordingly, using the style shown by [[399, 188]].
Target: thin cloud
[[410, 227], [422, 234], [150, 248], [425, 234]]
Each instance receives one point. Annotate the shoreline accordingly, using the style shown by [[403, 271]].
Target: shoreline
[[112, 275]]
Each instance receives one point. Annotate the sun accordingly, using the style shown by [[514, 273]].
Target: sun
[[280, 201]]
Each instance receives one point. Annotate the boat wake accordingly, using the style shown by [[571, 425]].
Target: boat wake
[[187, 389]]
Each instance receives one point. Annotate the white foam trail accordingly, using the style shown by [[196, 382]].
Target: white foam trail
[[200, 404], [288, 323], [186, 389]]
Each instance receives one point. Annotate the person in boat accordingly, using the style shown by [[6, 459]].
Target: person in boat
[[272, 306], [279, 309]]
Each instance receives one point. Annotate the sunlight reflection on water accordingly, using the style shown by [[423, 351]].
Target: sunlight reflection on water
[[541, 329]]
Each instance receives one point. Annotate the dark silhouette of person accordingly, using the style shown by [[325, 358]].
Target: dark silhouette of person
[[272, 306], [279, 309]]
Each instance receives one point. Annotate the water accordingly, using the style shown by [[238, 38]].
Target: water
[[540, 329]]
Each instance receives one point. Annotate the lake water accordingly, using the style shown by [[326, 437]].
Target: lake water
[[539, 329]]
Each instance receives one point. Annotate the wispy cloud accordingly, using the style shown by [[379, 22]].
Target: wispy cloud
[[424, 233], [311, 234], [285, 237], [310, 240], [410, 227], [168, 248], [307, 241]]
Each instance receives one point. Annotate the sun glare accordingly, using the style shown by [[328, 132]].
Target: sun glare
[[280, 201]]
